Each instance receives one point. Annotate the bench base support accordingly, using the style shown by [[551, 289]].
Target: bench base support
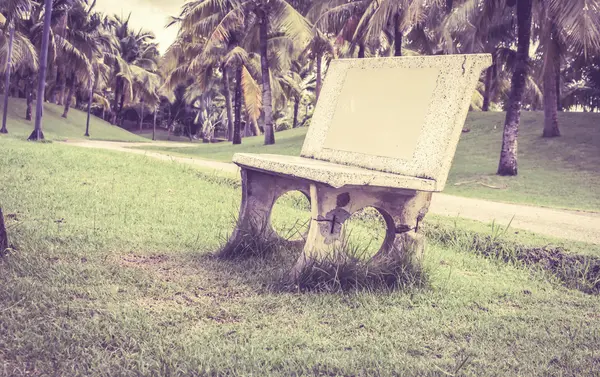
[[402, 210]]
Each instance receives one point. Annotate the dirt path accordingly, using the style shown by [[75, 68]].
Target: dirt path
[[572, 225]]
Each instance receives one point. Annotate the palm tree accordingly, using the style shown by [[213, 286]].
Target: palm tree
[[132, 49], [7, 78], [12, 11], [37, 133], [478, 26], [564, 25], [80, 44], [508, 155], [275, 24]]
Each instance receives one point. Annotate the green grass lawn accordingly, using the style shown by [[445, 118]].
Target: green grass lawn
[[112, 276], [561, 172], [57, 128]]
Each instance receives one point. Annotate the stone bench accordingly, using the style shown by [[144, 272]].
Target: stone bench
[[383, 135]]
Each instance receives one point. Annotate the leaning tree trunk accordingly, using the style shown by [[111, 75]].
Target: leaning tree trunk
[[29, 97], [550, 88], [69, 98], [487, 95], [228, 104], [37, 133], [398, 36], [11, 38], [319, 75], [508, 156], [89, 107], [296, 106], [237, 137], [267, 99]]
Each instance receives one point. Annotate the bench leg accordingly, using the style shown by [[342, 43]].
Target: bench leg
[[259, 193], [402, 211], [403, 216]]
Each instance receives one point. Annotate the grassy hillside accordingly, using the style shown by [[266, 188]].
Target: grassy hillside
[[57, 128], [561, 172], [111, 274]]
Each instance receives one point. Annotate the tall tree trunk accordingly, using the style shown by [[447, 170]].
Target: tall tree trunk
[[361, 50], [228, 104], [558, 78], [11, 38], [550, 87], [255, 128], [52, 94], [29, 96], [37, 133], [508, 156], [154, 124], [69, 98], [237, 138], [89, 107], [487, 95], [296, 106], [118, 85], [61, 93], [141, 124], [319, 75], [398, 36], [267, 99]]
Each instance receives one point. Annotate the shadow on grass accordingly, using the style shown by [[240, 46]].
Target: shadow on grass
[[345, 269]]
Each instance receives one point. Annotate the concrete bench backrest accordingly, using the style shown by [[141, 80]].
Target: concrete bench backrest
[[400, 115]]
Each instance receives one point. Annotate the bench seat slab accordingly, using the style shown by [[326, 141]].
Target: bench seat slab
[[332, 174]]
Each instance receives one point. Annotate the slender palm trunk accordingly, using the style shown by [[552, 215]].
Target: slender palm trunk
[[508, 156], [37, 133], [142, 115], [398, 36], [296, 106], [69, 98], [89, 107], [11, 38], [237, 138], [255, 127], [228, 104], [118, 85], [29, 97], [319, 75], [558, 102], [61, 94], [361, 50], [154, 124], [487, 95], [267, 99], [550, 87]]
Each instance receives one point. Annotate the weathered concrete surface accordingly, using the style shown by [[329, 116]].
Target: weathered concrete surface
[[570, 225], [401, 115], [335, 175]]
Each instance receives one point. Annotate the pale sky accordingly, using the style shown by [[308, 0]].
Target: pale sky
[[148, 14]]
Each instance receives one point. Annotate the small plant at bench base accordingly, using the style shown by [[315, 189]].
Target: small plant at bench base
[[414, 109], [346, 270]]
